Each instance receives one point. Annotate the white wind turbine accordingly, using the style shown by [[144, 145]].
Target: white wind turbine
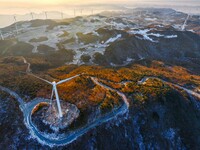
[[55, 91], [81, 12], [31, 15], [46, 16], [74, 12], [61, 13], [1, 35], [185, 23], [15, 21], [92, 11], [112, 23]]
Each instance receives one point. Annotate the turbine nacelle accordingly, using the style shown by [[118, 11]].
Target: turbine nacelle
[[54, 83]]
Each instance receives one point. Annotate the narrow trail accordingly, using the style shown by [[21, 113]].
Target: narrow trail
[[143, 80], [109, 88], [28, 69]]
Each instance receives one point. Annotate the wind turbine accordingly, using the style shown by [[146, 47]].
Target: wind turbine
[[81, 12], [15, 21], [74, 12], [46, 14], [112, 23], [1, 35], [31, 15], [55, 91], [61, 13], [185, 23], [126, 20]]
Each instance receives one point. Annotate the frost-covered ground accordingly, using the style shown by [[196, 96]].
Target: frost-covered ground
[[145, 24]]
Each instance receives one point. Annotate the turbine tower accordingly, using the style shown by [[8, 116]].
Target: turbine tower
[[1, 35], [46, 14], [55, 91], [61, 13], [31, 15], [92, 11], [81, 12], [15, 21], [126, 20], [185, 23], [112, 23], [74, 12]]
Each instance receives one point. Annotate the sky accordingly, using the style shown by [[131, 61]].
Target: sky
[[20, 6], [23, 6]]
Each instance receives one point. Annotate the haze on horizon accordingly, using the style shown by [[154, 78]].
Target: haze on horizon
[[25, 6]]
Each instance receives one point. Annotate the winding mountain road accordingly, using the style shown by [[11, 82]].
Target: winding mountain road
[[28, 69], [143, 80], [65, 139]]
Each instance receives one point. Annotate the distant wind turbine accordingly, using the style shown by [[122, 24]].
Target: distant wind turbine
[[31, 15], [55, 91], [74, 12], [1, 35], [61, 13], [15, 21], [45, 14], [112, 24], [81, 11], [185, 23]]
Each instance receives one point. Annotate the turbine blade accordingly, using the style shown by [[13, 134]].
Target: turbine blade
[[40, 78], [68, 79]]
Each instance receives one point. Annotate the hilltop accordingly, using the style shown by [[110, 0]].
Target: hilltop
[[141, 65]]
